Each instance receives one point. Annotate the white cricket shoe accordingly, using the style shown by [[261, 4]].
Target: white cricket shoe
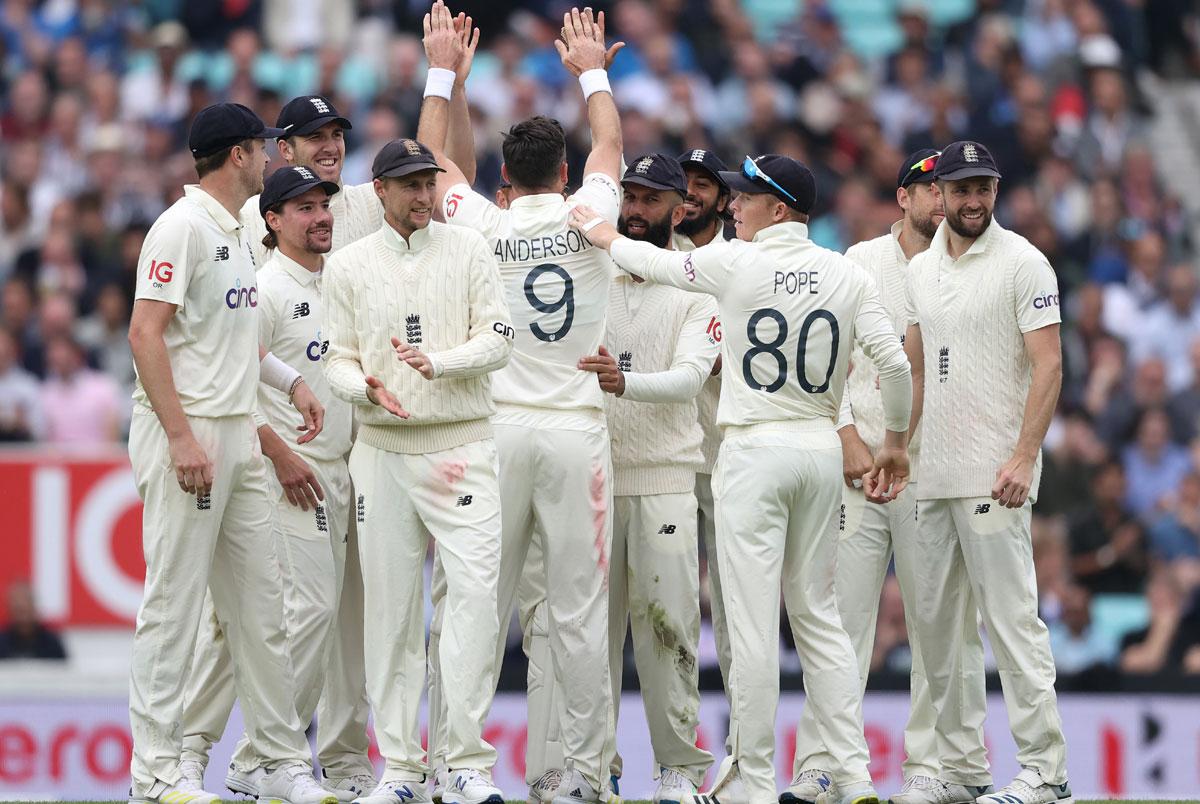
[[173, 794], [438, 782], [347, 788], [574, 789], [1029, 788], [545, 786], [244, 782], [293, 783], [863, 793], [471, 786], [807, 786], [397, 791], [673, 787], [928, 790], [727, 789], [191, 775]]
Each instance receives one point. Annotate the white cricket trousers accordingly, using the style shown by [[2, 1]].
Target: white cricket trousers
[[708, 532], [973, 552], [778, 491], [452, 495], [224, 542], [312, 548], [868, 535]]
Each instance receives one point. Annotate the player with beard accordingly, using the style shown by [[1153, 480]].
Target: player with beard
[[983, 316], [870, 531]]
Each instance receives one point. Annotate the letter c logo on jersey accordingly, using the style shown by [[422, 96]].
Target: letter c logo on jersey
[[160, 272], [237, 296], [1045, 301], [317, 349]]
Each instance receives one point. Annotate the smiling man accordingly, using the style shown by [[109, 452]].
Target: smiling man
[[978, 318]]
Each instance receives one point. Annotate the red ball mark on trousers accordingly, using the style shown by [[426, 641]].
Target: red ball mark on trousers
[[599, 502]]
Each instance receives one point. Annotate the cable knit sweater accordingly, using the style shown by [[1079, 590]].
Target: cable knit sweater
[[440, 292]]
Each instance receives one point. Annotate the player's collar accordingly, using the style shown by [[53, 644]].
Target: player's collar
[[536, 200], [213, 207], [297, 271], [896, 229], [941, 239], [779, 231], [416, 241]]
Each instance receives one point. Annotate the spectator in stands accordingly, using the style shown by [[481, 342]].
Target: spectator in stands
[[82, 405], [1107, 550], [1072, 454], [1170, 323], [1076, 643], [1154, 466], [25, 637], [1163, 643], [21, 416], [1184, 406]]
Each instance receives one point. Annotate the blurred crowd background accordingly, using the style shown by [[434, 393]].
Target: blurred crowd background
[[1084, 103]]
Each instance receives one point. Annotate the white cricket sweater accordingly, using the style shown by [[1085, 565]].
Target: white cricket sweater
[[441, 293], [662, 341], [973, 313], [884, 260], [710, 394], [356, 210]]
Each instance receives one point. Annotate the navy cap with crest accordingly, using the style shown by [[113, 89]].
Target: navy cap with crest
[[289, 182], [304, 115], [221, 125], [402, 157], [781, 176], [918, 167], [705, 160], [964, 159], [658, 172]]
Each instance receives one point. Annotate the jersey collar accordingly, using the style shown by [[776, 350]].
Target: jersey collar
[[213, 207], [897, 228], [792, 230], [537, 200], [416, 242], [980, 246], [294, 269]]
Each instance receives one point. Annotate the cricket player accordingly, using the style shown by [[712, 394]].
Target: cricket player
[[983, 338], [207, 522], [706, 207], [660, 348], [310, 485], [791, 312], [872, 531], [424, 464], [555, 468]]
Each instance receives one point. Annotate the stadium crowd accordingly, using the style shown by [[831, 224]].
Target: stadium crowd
[[96, 97]]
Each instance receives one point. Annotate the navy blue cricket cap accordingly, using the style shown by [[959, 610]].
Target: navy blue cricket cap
[[789, 176], [707, 161], [307, 113], [964, 159], [401, 157], [658, 172], [221, 125], [918, 167], [289, 182]]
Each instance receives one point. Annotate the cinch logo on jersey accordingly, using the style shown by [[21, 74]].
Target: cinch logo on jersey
[[237, 296], [317, 349], [689, 270], [160, 273], [625, 361], [1045, 301], [412, 329], [713, 330], [796, 281]]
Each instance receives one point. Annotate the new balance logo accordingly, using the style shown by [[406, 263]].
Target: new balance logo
[[943, 364], [300, 311], [361, 514], [466, 499], [460, 783], [983, 508], [412, 329], [405, 793], [320, 105], [667, 529], [625, 361], [322, 520], [222, 253], [203, 502]]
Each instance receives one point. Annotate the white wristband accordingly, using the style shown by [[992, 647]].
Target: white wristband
[[594, 81], [277, 374], [590, 225], [439, 82]]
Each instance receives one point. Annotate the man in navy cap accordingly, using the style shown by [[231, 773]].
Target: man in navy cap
[[871, 531], [983, 338], [208, 511], [706, 204], [791, 312]]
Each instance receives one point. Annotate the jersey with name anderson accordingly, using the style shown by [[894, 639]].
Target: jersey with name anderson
[[557, 286]]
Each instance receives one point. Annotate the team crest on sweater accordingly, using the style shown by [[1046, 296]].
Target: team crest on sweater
[[412, 329], [625, 361]]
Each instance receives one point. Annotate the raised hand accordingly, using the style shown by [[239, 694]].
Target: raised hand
[[443, 44], [469, 36], [384, 398], [414, 357], [581, 47]]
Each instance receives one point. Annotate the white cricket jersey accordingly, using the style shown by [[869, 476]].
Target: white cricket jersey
[[973, 313], [790, 312], [710, 394], [197, 257], [290, 319], [884, 260], [357, 212], [556, 283]]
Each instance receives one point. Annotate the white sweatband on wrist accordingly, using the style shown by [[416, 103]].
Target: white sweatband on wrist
[[439, 82], [593, 81], [277, 374]]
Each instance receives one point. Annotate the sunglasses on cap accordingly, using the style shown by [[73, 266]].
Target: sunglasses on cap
[[927, 164], [751, 170]]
